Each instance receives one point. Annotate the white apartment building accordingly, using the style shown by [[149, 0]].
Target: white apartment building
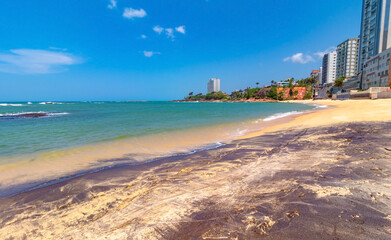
[[347, 58], [375, 36], [376, 71], [329, 67], [214, 85]]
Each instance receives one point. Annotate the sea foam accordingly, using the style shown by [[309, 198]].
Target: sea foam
[[10, 105], [281, 115]]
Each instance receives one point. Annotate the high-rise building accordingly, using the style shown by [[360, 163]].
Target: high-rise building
[[214, 85], [329, 67], [377, 71], [347, 56], [319, 77], [375, 36]]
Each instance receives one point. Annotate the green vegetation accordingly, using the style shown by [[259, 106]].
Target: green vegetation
[[272, 92], [308, 94], [215, 96], [339, 82], [250, 92], [262, 93], [209, 96], [306, 82]]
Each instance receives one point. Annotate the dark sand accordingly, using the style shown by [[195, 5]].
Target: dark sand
[[326, 183]]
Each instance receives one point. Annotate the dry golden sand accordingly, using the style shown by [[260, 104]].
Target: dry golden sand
[[339, 112], [323, 175]]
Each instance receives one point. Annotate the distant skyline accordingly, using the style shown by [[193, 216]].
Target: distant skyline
[[162, 50]]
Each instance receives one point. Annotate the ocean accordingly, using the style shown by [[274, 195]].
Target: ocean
[[45, 142]]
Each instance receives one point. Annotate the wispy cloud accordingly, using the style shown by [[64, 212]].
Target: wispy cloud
[[169, 31], [181, 29], [320, 54], [150, 53], [143, 36], [131, 13], [299, 58], [158, 29], [32, 61], [58, 49], [113, 4]]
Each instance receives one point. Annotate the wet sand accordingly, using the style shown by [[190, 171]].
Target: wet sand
[[323, 175]]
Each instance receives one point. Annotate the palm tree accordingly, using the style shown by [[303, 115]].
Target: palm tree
[[257, 83]]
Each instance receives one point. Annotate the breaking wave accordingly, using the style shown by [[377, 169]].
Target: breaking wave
[[281, 115], [10, 105]]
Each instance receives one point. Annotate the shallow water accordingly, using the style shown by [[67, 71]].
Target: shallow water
[[40, 142]]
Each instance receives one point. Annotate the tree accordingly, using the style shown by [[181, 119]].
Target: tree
[[262, 93], [190, 94], [281, 94], [306, 82], [257, 83], [339, 82], [236, 95], [308, 94], [215, 96], [272, 94]]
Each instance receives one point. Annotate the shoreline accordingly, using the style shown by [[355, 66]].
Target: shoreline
[[295, 175], [115, 153]]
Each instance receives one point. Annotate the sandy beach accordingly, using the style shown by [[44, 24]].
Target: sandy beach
[[320, 175]]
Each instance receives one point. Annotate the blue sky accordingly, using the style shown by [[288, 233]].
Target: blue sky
[[161, 50]]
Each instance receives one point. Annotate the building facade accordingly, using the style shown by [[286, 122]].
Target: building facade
[[347, 58], [214, 85], [319, 77], [375, 36], [376, 71], [314, 73], [329, 67]]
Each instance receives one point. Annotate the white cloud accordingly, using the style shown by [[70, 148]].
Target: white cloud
[[143, 36], [58, 49], [131, 13], [158, 29], [113, 4], [170, 33], [32, 61], [320, 54], [299, 58], [181, 29], [150, 53], [306, 58]]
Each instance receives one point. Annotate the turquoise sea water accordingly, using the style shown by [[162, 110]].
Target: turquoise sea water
[[73, 124], [40, 134]]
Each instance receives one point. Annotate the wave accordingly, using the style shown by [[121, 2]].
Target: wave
[[281, 115], [31, 114], [44, 103], [10, 105]]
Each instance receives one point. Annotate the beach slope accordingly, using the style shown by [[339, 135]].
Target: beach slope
[[323, 175]]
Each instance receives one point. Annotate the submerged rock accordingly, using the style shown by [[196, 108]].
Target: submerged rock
[[25, 115]]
